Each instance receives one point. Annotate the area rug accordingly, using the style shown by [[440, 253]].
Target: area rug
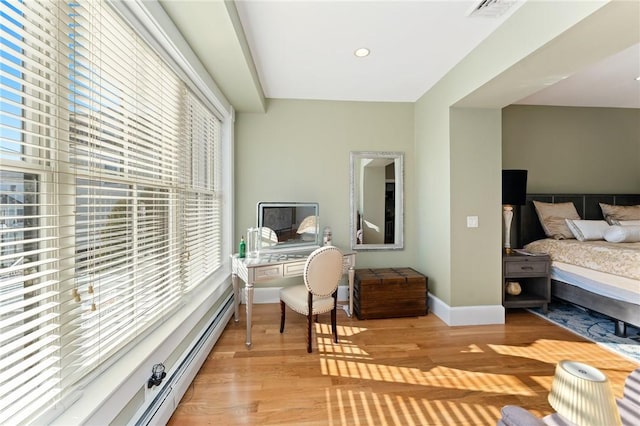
[[593, 326]]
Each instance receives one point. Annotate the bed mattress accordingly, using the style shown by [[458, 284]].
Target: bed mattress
[[609, 285], [622, 259]]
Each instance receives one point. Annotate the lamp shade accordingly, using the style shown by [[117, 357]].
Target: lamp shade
[[514, 187], [309, 225], [581, 394]]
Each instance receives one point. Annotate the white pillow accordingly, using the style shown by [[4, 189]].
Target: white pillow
[[625, 222], [623, 234], [587, 230]]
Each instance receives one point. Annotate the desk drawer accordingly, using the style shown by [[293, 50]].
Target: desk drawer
[[294, 269], [268, 272]]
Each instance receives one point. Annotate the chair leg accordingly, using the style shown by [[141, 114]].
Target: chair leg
[[334, 325], [309, 322], [282, 316]]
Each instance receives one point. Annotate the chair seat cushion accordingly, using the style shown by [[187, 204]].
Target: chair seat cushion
[[296, 297]]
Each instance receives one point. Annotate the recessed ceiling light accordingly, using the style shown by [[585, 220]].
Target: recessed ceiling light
[[362, 52], [638, 78]]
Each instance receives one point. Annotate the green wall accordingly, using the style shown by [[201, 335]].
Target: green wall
[[475, 190], [453, 142], [459, 140], [299, 151], [568, 149]]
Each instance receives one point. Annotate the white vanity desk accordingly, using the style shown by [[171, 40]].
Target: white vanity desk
[[273, 265]]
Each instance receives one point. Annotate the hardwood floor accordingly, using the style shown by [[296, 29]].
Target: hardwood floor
[[402, 371]]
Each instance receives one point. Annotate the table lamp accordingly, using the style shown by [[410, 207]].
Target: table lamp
[[514, 192], [581, 394]]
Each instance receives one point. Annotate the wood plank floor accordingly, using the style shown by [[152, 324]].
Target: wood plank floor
[[404, 371]]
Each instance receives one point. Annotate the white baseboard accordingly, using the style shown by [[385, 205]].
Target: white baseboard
[[466, 315], [457, 315], [184, 377]]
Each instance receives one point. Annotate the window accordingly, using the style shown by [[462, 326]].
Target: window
[[110, 203]]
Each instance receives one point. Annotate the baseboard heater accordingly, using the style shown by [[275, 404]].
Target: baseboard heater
[[161, 408]]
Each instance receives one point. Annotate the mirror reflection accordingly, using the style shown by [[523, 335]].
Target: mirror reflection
[[376, 190], [288, 225]]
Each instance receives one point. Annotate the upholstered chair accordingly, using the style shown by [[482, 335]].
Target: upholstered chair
[[512, 415], [629, 404], [322, 274], [628, 407]]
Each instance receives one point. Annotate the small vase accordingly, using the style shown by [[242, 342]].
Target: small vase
[[326, 236], [513, 288], [253, 242]]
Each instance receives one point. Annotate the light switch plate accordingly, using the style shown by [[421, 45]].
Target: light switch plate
[[472, 221]]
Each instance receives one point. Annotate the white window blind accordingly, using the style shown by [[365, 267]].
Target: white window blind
[[109, 196], [202, 208]]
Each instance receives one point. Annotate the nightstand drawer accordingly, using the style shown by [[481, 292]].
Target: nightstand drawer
[[526, 268]]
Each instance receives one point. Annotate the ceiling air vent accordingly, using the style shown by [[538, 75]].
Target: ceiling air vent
[[490, 8]]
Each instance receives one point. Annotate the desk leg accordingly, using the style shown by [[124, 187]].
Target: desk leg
[[249, 297], [236, 297], [352, 273]]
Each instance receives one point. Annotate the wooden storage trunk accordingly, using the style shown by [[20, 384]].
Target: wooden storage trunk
[[389, 293]]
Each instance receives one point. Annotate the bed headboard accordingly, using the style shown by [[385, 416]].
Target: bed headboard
[[587, 205]]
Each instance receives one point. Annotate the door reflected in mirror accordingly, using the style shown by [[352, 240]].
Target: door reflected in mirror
[[376, 191]]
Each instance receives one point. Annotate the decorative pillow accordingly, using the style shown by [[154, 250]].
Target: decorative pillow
[[611, 212], [552, 217], [587, 230], [624, 222], [622, 234]]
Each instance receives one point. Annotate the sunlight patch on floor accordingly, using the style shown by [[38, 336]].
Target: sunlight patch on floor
[[437, 376], [349, 361], [544, 350], [363, 408], [342, 330], [473, 349]]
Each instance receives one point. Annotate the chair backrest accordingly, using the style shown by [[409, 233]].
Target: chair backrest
[[323, 271]]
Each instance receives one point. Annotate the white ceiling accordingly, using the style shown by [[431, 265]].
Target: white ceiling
[[303, 49], [609, 83]]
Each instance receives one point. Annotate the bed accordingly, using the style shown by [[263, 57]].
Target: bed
[[613, 295]]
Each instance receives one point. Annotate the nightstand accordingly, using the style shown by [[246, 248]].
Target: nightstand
[[532, 273]]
